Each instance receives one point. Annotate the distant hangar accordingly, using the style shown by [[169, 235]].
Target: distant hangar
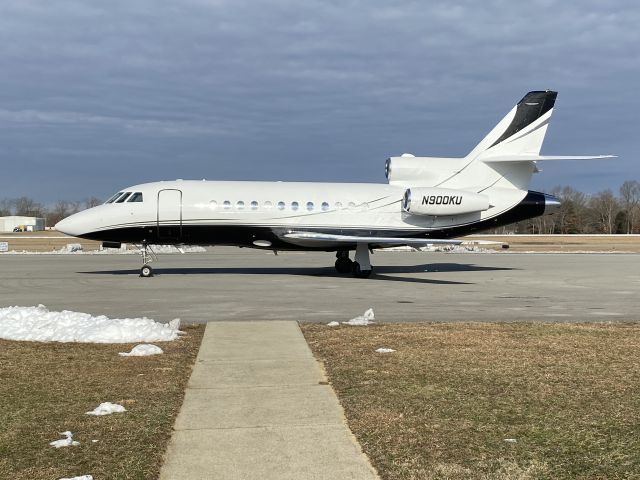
[[23, 224]]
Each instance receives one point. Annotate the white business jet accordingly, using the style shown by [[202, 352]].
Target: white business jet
[[427, 201]]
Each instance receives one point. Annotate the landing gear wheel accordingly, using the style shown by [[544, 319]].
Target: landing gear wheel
[[146, 271], [358, 272], [344, 265]]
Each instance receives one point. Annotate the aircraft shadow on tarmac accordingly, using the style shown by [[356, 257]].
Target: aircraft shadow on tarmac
[[379, 272]]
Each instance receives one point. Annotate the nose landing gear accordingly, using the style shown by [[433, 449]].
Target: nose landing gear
[[148, 256]]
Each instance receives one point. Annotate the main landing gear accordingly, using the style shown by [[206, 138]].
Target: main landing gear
[[360, 267], [148, 256]]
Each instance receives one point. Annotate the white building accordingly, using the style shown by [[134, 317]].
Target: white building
[[28, 224]]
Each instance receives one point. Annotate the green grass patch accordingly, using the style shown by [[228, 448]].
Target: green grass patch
[[46, 388], [444, 403]]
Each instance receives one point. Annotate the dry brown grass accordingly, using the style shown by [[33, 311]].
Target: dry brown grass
[[45, 241], [565, 243], [46, 388], [444, 403]]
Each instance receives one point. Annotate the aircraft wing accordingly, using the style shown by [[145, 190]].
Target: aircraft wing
[[310, 238]]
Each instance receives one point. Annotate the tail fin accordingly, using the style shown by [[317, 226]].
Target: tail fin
[[522, 130]]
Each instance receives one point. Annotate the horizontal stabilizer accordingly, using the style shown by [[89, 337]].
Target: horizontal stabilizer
[[542, 158], [315, 237]]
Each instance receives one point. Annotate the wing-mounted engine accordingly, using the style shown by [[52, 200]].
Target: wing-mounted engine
[[443, 202]]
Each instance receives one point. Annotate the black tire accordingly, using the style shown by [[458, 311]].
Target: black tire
[[146, 271], [358, 272], [343, 265]]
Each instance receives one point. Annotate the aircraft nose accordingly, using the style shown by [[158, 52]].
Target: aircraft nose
[[69, 226]]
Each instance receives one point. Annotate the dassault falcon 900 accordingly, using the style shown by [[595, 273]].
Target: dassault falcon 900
[[427, 200]]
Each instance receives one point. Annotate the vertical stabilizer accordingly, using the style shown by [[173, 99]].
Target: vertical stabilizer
[[522, 130]]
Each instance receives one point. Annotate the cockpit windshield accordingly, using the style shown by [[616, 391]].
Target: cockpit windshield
[[113, 199], [124, 197], [128, 197]]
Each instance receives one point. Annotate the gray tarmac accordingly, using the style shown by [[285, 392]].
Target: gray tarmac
[[241, 284]]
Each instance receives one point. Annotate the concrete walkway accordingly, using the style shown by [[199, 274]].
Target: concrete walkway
[[258, 407]]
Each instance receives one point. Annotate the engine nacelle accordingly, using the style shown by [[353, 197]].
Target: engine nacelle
[[443, 202], [407, 169]]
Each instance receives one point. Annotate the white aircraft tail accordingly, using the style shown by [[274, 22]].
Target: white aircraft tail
[[521, 131], [504, 159]]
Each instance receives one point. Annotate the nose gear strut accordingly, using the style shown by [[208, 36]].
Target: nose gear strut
[[148, 256]]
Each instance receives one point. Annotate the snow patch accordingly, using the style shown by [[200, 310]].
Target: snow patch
[[385, 350], [38, 324], [511, 440], [81, 477], [142, 350], [106, 408], [72, 247], [365, 319], [333, 324], [65, 442], [76, 249]]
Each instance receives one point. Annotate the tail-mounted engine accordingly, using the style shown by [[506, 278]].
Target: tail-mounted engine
[[443, 201]]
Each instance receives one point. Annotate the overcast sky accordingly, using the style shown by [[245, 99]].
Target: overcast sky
[[96, 96]]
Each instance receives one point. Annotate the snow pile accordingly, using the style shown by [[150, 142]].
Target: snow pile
[[72, 247], [464, 247], [333, 324], [365, 319], [40, 325], [81, 477], [178, 248], [65, 442], [76, 249], [385, 350], [106, 408], [142, 350]]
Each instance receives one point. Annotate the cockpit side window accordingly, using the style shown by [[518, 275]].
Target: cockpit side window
[[113, 199], [124, 197], [136, 197]]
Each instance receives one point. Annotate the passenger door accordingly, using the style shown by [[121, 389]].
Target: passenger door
[[170, 215]]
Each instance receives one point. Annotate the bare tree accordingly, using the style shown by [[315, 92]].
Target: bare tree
[[5, 207], [630, 202], [60, 210], [92, 202], [28, 207], [571, 215], [605, 207]]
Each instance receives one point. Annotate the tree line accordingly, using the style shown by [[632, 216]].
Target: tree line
[[602, 212], [28, 207]]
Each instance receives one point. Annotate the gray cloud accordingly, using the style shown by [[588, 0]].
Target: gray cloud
[[96, 96]]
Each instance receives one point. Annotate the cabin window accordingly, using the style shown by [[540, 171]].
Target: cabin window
[[295, 205], [352, 206], [226, 204], [213, 204], [281, 205], [254, 205], [113, 199], [136, 197], [268, 205], [239, 205], [310, 206], [124, 197], [325, 206], [338, 205]]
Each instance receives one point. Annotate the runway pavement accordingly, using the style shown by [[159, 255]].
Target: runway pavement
[[241, 284]]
